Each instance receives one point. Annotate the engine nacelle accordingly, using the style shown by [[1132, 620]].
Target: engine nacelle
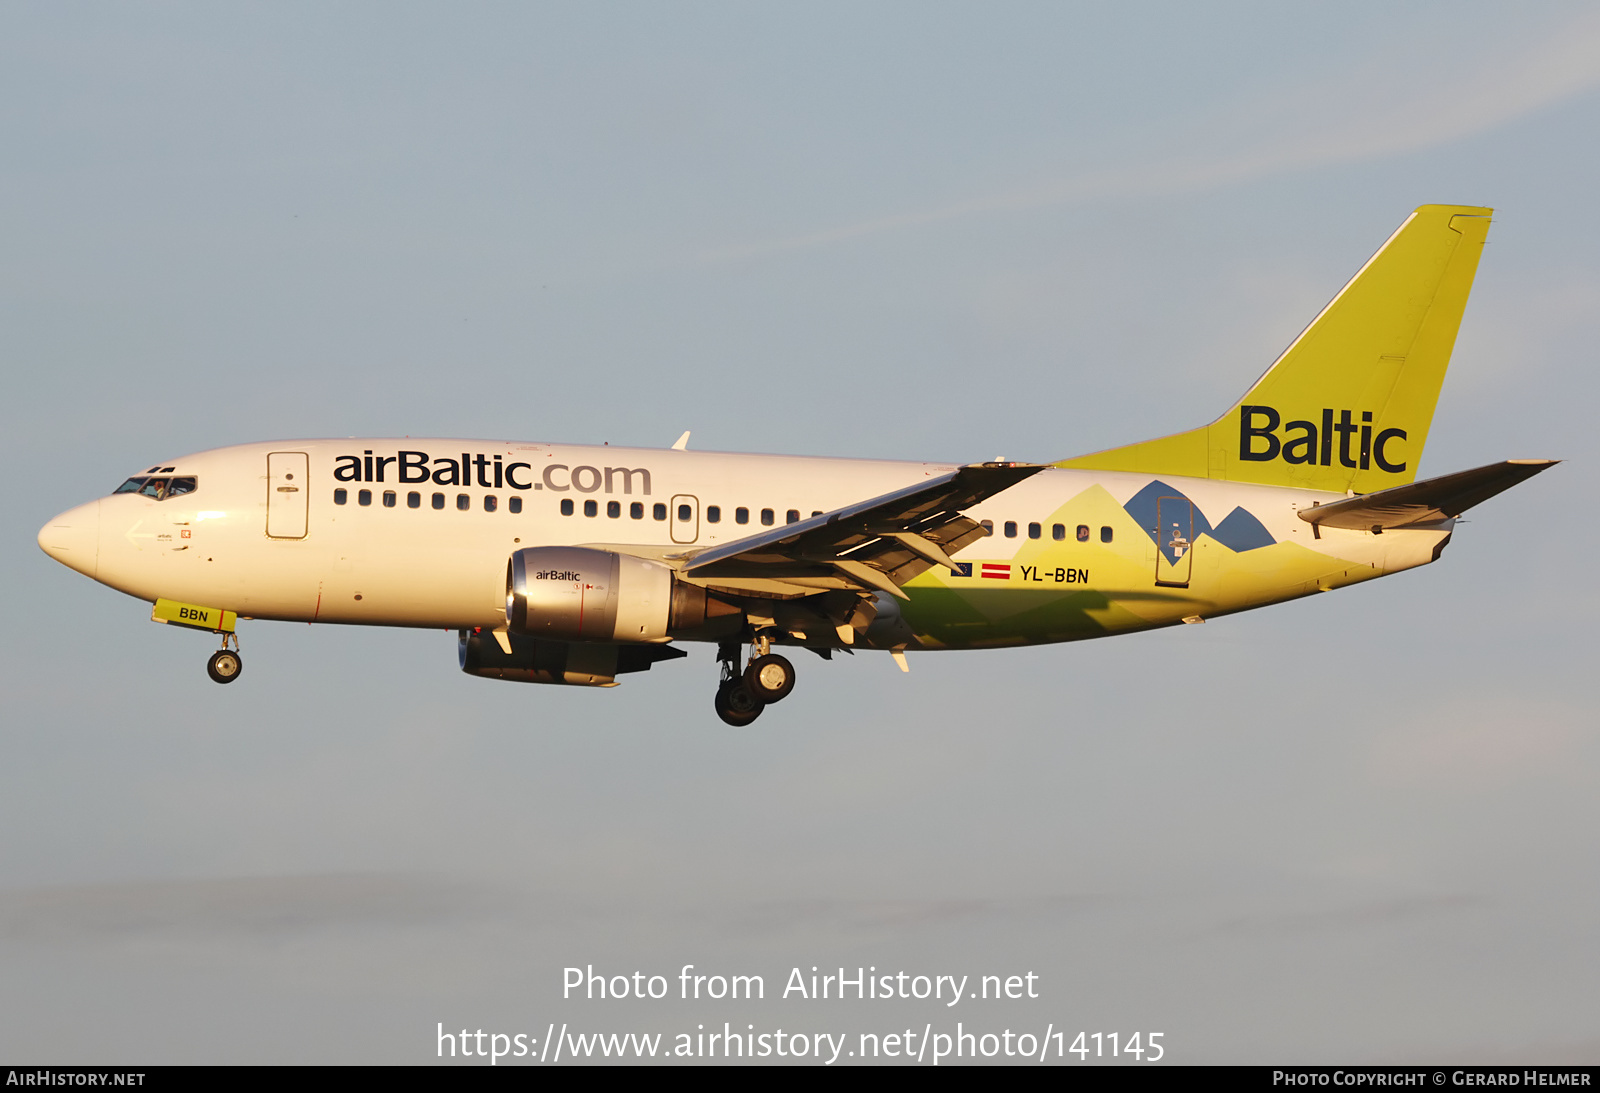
[[534, 660], [582, 594]]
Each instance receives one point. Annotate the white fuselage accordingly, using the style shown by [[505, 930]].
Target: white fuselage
[[414, 544]]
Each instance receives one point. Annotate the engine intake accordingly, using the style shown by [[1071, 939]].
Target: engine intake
[[584, 594]]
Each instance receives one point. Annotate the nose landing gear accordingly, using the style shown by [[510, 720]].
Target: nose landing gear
[[225, 664], [767, 678]]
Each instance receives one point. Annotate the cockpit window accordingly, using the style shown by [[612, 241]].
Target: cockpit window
[[159, 488]]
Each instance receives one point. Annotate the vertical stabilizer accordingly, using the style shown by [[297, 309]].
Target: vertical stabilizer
[[1348, 404]]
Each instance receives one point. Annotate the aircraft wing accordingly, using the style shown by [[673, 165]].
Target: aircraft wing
[[1426, 502], [872, 546]]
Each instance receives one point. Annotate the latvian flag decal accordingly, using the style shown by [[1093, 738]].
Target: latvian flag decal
[[996, 570]]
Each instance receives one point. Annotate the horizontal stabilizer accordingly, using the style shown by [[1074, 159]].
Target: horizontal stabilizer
[[1427, 502]]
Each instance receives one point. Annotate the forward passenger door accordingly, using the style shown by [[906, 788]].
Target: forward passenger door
[[288, 495]]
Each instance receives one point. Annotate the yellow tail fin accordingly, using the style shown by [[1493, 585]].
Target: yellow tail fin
[[1348, 404]]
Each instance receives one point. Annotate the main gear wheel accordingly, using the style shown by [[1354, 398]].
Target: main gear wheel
[[770, 677], [736, 705]]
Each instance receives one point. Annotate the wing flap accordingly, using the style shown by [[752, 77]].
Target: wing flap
[[875, 545]]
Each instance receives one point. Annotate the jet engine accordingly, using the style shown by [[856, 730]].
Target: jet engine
[[580, 594], [534, 660]]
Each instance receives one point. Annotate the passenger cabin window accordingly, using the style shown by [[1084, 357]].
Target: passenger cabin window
[[636, 511], [741, 516], [566, 506], [413, 500], [340, 496], [388, 499], [1058, 532], [685, 514], [613, 509], [988, 526], [1083, 533], [364, 497], [463, 502], [1105, 535], [591, 508], [490, 502], [659, 511], [713, 514], [515, 504], [1034, 531], [767, 519], [438, 500], [792, 516], [1011, 529]]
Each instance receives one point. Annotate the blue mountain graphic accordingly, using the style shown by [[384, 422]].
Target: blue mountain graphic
[[1239, 531]]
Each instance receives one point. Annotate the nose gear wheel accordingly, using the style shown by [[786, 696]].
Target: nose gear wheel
[[224, 666]]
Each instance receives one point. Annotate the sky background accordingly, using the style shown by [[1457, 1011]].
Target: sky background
[[1357, 828]]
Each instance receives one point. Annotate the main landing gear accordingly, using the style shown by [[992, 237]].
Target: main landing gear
[[769, 677], [225, 664], [741, 696]]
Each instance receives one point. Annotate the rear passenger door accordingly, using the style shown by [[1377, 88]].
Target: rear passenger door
[[1174, 541]]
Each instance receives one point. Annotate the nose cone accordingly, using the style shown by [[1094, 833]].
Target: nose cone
[[73, 538]]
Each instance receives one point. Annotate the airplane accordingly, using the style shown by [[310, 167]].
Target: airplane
[[574, 564]]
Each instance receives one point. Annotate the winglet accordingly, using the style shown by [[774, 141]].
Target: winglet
[[682, 443]]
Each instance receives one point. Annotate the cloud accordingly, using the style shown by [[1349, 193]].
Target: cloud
[[850, 918], [1360, 917], [1472, 744], [238, 907], [1539, 1053], [1375, 117]]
